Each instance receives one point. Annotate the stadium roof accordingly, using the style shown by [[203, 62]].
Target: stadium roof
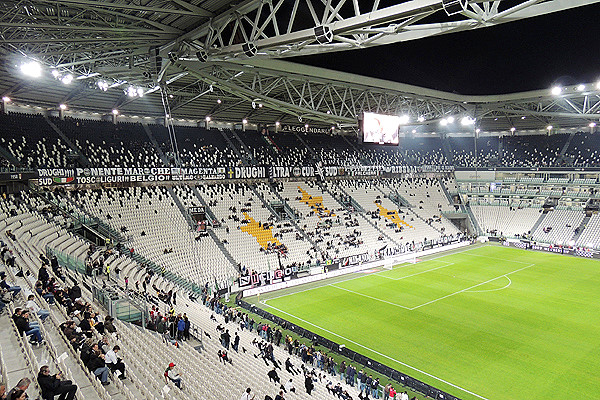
[[193, 53]]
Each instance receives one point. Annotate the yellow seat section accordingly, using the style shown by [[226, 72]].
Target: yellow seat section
[[392, 216], [315, 203], [263, 236]]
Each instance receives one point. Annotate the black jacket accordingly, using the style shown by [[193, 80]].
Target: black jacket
[[22, 324], [95, 362], [48, 384]]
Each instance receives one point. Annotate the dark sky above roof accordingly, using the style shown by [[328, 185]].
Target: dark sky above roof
[[535, 53]]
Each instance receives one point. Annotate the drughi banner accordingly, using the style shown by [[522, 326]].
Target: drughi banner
[[86, 176]]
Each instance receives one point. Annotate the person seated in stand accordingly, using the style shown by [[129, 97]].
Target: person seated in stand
[[114, 363], [97, 365], [23, 325], [33, 307], [8, 287], [172, 376], [52, 385]]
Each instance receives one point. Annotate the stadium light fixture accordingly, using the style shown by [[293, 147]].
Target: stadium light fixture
[[450, 119], [549, 127], [306, 126], [6, 99], [556, 90], [421, 118], [591, 125], [219, 101], [67, 79], [477, 130], [244, 121], [404, 119], [465, 121], [513, 129], [443, 122], [414, 131], [208, 118], [140, 92], [32, 69], [115, 111], [581, 87], [62, 106], [277, 123], [260, 105]]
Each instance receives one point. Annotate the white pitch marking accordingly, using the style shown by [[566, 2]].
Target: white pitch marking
[[378, 353], [474, 286], [492, 290], [370, 297]]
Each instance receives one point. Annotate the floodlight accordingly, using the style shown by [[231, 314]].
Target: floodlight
[[404, 119], [333, 128], [513, 129], [414, 131], [450, 119], [115, 111], [306, 126], [6, 99], [592, 124], [259, 105], [443, 122], [55, 73], [277, 123], [218, 101], [244, 121], [421, 118], [581, 87], [67, 79], [549, 127], [467, 121], [556, 90], [140, 92], [598, 85], [63, 106], [170, 96], [103, 85], [131, 92], [32, 69], [477, 130], [208, 118]]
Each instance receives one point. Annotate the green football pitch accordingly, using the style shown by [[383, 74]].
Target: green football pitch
[[484, 322]]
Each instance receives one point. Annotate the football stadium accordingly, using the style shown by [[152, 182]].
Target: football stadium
[[211, 199]]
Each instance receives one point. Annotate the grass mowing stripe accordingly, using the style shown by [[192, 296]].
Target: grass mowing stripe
[[377, 352]]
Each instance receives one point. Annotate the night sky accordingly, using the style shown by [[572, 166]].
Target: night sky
[[535, 53]]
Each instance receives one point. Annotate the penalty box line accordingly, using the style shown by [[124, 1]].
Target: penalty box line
[[377, 352], [474, 286]]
